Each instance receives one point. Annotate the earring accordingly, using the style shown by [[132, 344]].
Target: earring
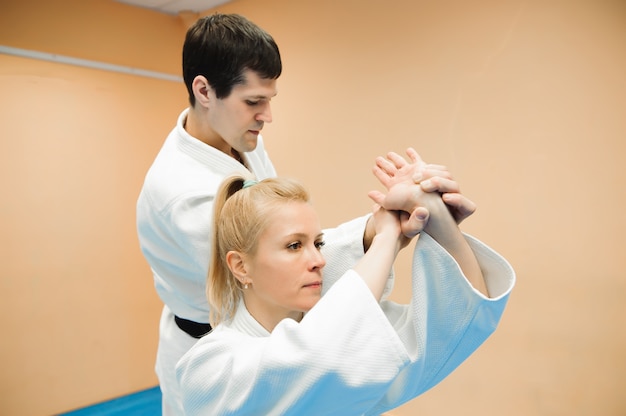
[[245, 285]]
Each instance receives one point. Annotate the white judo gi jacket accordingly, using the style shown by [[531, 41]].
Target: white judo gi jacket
[[174, 216], [350, 355]]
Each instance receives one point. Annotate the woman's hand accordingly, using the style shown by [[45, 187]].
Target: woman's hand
[[432, 178], [411, 224], [388, 223]]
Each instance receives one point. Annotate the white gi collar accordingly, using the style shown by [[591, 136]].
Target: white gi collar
[[245, 323]]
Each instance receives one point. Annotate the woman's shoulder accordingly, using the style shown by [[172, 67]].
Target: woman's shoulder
[[218, 348], [224, 337]]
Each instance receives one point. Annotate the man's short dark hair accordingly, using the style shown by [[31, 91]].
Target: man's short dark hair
[[221, 46]]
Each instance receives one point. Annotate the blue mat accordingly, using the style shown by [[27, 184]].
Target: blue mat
[[143, 403]]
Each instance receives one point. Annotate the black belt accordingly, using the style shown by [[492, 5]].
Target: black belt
[[194, 329]]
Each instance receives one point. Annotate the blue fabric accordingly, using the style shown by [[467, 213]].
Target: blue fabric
[[143, 403]]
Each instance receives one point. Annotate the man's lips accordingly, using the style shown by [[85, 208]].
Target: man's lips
[[257, 130]]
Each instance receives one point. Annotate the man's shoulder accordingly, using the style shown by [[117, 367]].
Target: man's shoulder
[[175, 178], [164, 189]]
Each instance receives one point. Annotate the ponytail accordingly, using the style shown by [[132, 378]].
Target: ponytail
[[222, 291], [241, 212]]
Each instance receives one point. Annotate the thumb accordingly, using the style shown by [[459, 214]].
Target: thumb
[[412, 225]]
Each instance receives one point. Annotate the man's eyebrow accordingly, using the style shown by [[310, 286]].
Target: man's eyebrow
[[261, 97]]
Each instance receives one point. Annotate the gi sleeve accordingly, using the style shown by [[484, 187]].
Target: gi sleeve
[[447, 319]]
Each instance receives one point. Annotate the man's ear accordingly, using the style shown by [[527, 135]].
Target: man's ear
[[237, 265], [202, 91]]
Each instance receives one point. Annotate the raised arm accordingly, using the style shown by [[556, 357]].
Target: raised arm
[[375, 265], [403, 194]]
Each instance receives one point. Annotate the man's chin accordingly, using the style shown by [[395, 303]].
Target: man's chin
[[250, 143]]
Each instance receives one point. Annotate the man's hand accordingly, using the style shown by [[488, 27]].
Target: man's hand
[[431, 178], [411, 224]]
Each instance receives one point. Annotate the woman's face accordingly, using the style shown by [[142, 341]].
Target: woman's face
[[286, 270]]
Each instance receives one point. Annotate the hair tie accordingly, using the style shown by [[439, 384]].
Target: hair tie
[[248, 183]]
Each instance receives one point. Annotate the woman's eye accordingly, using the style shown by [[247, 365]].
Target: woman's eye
[[320, 244], [294, 246]]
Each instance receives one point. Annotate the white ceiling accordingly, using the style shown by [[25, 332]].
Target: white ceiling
[[175, 6]]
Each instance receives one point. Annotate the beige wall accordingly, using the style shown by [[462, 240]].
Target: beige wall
[[79, 315], [523, 100]]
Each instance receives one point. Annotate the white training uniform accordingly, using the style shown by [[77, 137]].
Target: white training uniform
[[350, 355], [174, 217]]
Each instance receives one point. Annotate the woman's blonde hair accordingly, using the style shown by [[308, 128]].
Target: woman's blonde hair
[[240, 215]]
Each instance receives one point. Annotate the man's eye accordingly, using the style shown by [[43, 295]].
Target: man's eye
[[252, 103]]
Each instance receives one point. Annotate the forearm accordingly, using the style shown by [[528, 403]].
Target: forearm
[[443, 228], [376, 264], [368, 234]]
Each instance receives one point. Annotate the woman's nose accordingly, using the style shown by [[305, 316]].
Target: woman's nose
[[317, 261]]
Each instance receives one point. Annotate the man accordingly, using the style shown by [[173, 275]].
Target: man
[[230, 69]]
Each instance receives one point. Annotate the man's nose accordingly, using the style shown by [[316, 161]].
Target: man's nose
[[265, 115]]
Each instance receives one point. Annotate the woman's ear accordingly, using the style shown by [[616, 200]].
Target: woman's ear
[[202, 91], [237, 265]]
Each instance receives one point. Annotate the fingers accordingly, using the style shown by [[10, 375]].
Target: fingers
[[383, 176], [394, 163], [432, 171], [397, 160], [412, 225], [432, 166], [389, 168], [414, 156], [460, 206], [440, 184], [378, 197], [394, 170]]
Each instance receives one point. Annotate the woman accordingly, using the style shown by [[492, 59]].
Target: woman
[[279, 348]]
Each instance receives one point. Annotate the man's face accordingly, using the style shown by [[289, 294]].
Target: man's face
[[239, 118]]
